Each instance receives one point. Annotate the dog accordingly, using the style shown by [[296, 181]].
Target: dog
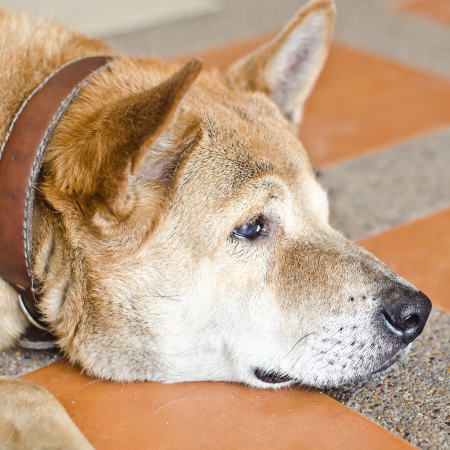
[[179, 231]]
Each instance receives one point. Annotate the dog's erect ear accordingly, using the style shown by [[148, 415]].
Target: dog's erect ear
[[131, 128], [287, 67], [109, 148]]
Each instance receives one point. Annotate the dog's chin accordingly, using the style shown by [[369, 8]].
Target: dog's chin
[[393, 359], [273, 378], [270, 377]]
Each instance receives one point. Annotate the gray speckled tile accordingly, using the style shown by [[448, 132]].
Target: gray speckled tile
[[374, 193], [412, 398], [237, 20], [377, 27], [367, 195], [370, 24], [18, 361]]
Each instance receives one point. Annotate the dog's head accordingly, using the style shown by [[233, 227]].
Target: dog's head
[[183, 235]]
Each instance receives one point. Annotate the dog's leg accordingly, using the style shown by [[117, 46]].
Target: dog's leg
[[12, 320], [32, 419]]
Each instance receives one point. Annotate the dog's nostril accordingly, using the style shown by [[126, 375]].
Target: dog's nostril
[[408, 314], [402, 325], [412, 321]]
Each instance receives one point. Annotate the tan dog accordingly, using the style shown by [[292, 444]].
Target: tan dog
[[180, 233]]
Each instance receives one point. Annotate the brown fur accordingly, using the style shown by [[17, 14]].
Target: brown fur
[[145, 185]]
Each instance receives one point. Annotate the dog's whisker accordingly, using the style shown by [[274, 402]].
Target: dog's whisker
[[282, 203], [317, 354], [310, 360], [298, 342]]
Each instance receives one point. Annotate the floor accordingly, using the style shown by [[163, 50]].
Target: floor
[[377, 127], [121, 16]]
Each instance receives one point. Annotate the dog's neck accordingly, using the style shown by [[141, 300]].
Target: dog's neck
[[21, 155]]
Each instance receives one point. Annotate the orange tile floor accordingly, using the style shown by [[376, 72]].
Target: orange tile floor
[[361, 102], [208, 415], [420, 253], [437, 10]]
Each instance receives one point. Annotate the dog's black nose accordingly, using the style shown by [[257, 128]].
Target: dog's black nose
[[407, 315]]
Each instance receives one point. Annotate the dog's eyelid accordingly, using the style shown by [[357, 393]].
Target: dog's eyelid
[[253, 229], [250, 220]]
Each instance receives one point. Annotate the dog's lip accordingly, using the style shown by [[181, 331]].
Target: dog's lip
[[389, 362], [270, 376]]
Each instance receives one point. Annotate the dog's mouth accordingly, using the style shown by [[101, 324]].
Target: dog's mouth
[[271, 377], [392, 360]]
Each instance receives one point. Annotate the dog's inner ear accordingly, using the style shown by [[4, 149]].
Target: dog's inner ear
[[287, 67]]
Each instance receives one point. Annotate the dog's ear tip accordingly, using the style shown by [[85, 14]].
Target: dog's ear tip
[[197, 61], [326, 8], [187, 74], [194, 65], [322, 4], [287, 67], [330, 7]]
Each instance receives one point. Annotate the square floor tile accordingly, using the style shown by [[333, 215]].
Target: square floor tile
[[361, 101], [208, 415], [436, 10], [420, 253]]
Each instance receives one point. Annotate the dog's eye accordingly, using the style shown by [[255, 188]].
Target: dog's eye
[[250, 230]]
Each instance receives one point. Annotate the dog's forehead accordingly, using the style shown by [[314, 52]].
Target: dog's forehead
[[245, 136]]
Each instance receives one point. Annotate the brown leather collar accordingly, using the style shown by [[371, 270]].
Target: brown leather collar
[[20, 161]]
